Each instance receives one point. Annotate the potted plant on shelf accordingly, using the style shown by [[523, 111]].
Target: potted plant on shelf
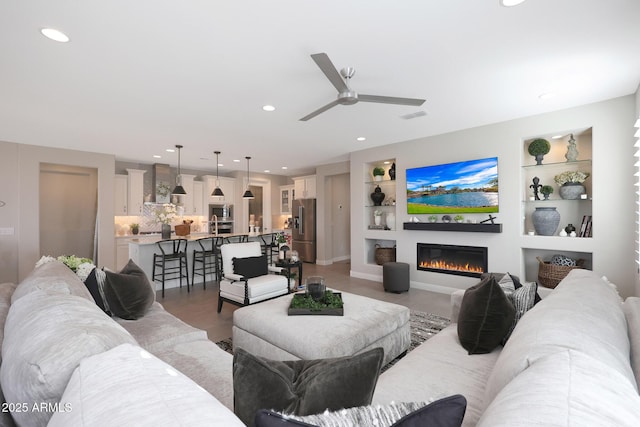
[[538, 148], [458, 218], [378, 173], [135, 228], [433, 218], [546, 190], [570, 183]]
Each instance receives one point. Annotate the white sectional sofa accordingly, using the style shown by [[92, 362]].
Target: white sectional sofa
[[66, 363], [572, 360]]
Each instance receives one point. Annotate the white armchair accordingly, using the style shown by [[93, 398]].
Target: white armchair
[[246, 277]]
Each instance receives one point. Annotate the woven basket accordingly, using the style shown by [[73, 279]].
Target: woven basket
[[549, 275], [385, 254], [183, 230]]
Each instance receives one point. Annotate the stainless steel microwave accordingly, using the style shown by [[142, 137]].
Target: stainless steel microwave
[[223, 211]]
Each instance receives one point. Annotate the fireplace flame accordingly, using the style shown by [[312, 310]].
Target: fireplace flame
[[445, 265]]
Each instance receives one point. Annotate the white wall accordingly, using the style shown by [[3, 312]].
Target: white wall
[[613, 184]]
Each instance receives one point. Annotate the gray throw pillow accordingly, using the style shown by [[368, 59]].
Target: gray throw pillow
[[129, 294], [486, 316], [303, 387]]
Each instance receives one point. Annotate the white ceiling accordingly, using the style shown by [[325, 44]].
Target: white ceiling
[[140, 76]]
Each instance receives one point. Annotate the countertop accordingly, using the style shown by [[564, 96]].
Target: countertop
[[151, 239]]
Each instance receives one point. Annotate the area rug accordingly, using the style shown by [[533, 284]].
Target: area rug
[[422, 325]]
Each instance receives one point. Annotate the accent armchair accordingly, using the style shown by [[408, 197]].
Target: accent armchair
[[247, 277]]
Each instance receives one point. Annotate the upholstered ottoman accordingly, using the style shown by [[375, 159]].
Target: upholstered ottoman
[[266, 330], [395, 277]]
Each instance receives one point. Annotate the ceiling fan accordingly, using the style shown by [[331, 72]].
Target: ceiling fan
[[346, 96]]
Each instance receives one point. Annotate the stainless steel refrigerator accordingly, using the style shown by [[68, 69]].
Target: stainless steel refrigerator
[[304, 229]]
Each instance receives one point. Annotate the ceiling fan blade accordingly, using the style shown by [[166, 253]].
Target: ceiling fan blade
[[319, 111], [390, 100], [330, 71]]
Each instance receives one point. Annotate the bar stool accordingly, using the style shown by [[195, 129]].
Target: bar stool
[[170, 262], [237, 238], [206, 259], [270, 246]]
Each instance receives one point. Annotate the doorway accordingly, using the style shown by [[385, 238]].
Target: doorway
[[259, 206], [68, 199]]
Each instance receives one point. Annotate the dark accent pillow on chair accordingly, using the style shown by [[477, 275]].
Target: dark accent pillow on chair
[[250, 267], [445, 412], [485, 318], [129, 293], [303, 387]]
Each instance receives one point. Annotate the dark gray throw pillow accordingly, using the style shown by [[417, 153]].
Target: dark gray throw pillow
[[129, 293], [445, 412], [486, 316], [303, 387], [250, 267]]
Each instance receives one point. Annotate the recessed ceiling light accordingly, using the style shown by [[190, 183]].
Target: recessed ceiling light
[[267, 171], [284, 168], [268, 108], [54, 35], [361, 138], [156, 156], [220, 165], [509, 3], [170, 150], [236, 160], [557, 136], [547, 95]]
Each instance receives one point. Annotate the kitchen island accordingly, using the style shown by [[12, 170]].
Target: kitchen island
[[142, 249]]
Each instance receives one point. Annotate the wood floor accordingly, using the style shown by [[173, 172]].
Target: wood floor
[[198, 307]]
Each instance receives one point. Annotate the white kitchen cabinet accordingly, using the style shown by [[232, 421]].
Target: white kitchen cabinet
[[122, 252], [187, 200], [198, 200], [286, 199], [135, 191], [120, 201], [305, 187]]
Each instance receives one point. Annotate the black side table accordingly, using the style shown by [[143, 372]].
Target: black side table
[[288, 264]]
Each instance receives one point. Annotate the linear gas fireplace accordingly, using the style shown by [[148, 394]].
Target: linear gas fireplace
[[470, 261]]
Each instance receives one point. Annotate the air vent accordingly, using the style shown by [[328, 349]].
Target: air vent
[[414, 115]]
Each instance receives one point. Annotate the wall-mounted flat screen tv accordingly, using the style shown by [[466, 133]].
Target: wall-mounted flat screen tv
[[462, 187]]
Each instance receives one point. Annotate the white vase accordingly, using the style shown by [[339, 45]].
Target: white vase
[[377, 219], [391, 221]]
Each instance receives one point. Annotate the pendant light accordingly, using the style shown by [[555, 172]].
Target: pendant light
[[217, 191], [247, 194], [179, 190]]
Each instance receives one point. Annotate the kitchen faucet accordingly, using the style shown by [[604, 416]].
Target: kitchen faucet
[[215, 222]]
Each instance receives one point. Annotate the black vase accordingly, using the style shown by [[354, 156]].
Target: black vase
[[377, 196], [392, 171]]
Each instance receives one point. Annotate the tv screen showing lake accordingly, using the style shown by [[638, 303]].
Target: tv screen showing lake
[[461, 187]]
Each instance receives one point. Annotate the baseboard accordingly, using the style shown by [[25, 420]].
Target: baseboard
[[433, 288], [331, 261], [372, 277]]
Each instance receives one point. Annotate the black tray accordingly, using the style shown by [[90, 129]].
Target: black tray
[[328, 311]]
